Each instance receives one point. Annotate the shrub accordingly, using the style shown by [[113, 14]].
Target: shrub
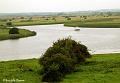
[[56, 67], [65, 64], [2, 26], [62, 58], [52, 76], [9, 24], [68, 18], [33, 33], [54, 18], [14, 31], [72, 48]]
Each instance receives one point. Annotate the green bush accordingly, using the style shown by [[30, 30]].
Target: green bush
[[52, 76], [56, 68], [68, 18], [33, 33], [14, 31], [62, 58], [9, 24], [64, 63]]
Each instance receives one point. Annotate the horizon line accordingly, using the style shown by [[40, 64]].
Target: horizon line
[[92, 10]]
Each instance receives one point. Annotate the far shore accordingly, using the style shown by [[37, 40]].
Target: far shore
[[77, 21]]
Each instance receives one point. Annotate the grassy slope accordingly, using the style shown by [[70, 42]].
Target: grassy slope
[[4, 34], [103, 68], [23, 70]]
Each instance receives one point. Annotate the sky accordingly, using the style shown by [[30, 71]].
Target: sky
[[20, 6]]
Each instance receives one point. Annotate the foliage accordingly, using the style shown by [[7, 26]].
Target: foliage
[[9, 24], [14, 31], [62, 58], [4, 34], [68, 18], [76, 21], [54, 18]]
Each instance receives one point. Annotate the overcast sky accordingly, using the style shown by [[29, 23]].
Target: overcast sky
[[17, 6]]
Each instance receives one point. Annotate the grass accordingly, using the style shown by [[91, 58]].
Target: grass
[[28, 23], [91, 22], [23, 70], [94, 24], [4, 34], [101, 68], [98, 22], [77, 21]]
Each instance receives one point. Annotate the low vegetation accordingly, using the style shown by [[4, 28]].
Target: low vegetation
[[26, 70], [14, 31], [100, 21], [101, 68], [94, 24], [62, 58], [5, 33]]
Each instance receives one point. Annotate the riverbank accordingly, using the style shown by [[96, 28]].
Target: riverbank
[[94, 24], [98, 69], [89, 22], [4, 34], [76, 21], [107, 22]]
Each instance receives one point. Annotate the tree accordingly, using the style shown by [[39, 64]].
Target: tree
[[84, 17], [14, 31], [9, 24]]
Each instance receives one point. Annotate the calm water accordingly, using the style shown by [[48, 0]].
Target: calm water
[[97, 40]]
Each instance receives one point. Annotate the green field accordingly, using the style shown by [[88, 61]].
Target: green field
[[101, 68], [76, 21], [4, 34], [97, 22]]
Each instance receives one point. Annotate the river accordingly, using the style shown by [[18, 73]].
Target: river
[[98, 40]]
